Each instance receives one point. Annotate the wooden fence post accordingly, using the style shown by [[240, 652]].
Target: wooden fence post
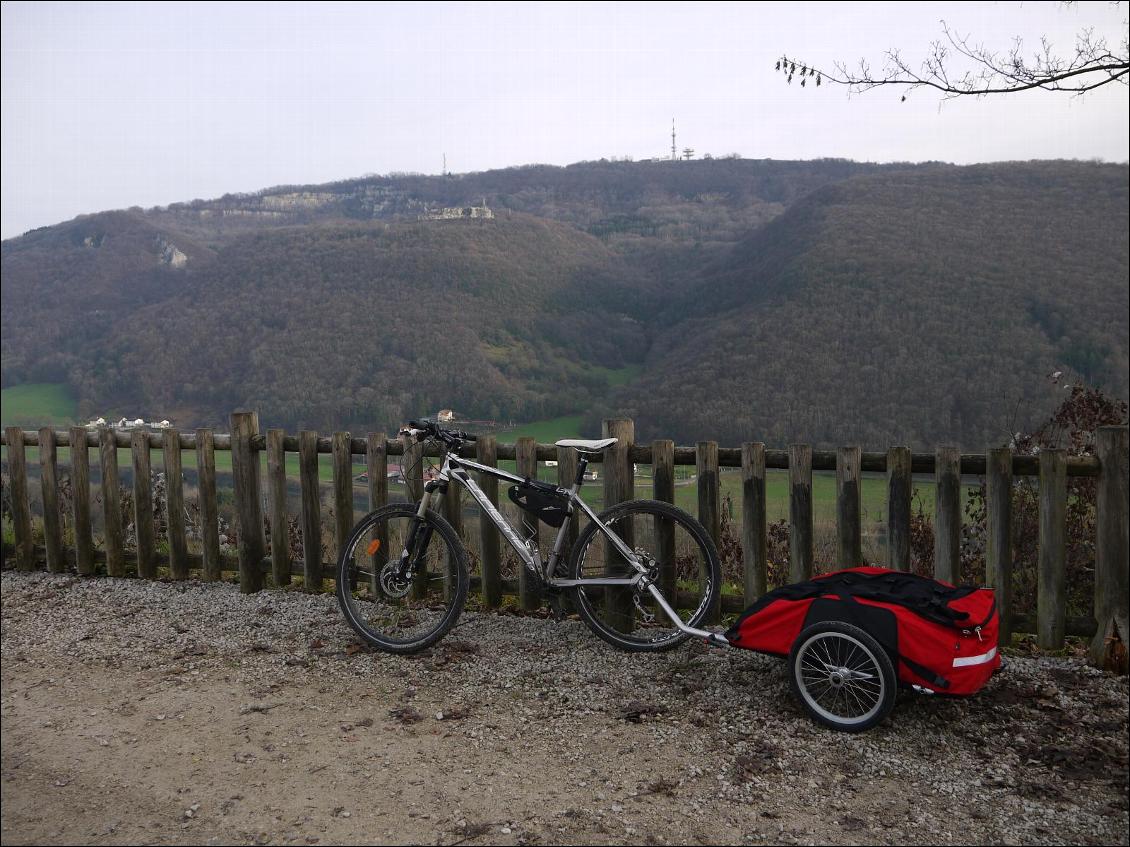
[[529, 588], [754, 529], [143, 506], [174, 500], [206, 500], [376, 467], [1051, 599], [663, 488], [800, 512], [486, 453], [111, 502], [343, 490], [246, 471], [709, 511], [311, 510], [276, 507], [566, 476], [947, 514], [899, 485], [619, 485], [849, 530], [453, 507], [1112, 552], [49, 488], [412, 468], [998, 526], [21, 508], [80, 489]]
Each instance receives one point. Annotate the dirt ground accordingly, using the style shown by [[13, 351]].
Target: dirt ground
[[161, 713]]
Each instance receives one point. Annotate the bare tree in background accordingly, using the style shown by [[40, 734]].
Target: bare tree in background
[[958, 67]]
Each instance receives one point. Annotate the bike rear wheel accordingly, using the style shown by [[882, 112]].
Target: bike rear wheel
[[683, 561], [402, 581]]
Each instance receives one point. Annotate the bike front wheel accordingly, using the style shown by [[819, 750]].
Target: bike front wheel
[[682, 561], [402, 580]]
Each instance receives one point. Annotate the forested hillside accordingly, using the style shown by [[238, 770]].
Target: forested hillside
[[824, 301], [915, 308], [365, 324]]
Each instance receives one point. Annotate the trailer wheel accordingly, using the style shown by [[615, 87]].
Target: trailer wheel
[[841, 676]]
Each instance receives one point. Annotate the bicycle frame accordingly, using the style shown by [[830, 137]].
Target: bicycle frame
[[455, 468]]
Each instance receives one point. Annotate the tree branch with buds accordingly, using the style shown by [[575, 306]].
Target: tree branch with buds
[[957, 67]]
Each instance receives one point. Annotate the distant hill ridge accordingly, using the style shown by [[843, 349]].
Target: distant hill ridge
[[820, 301]]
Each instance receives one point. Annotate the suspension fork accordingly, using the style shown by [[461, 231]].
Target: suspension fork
[[419, 537]]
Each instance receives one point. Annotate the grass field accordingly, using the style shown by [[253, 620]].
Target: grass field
[[37, 404], [544, 432], [619, 376]]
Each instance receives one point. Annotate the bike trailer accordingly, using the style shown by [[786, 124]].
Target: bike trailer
[[939, 637]]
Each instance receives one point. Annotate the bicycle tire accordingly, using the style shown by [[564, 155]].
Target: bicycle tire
[[823, 664], [703, 598], [450, 592]]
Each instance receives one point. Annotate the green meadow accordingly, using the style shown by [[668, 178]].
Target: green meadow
[[38, 404]]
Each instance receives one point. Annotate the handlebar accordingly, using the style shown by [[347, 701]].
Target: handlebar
[[425, 429]]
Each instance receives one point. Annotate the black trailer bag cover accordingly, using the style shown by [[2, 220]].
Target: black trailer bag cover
[[938, 636]]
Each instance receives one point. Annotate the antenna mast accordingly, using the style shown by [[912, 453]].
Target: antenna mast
[[445, 164], [674, 155]]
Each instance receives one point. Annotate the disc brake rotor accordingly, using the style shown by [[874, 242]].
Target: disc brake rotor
[[392, 583]]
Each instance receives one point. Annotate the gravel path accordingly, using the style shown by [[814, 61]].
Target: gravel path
[[145, 712]]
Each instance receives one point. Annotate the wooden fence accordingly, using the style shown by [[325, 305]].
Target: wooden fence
[[1108, 625]]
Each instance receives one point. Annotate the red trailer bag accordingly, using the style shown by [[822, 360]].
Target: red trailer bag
[[938, 636]]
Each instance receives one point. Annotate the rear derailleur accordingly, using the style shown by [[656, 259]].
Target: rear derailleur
[[650, 576]]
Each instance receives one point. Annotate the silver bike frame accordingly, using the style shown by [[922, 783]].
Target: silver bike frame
[[454, 469]]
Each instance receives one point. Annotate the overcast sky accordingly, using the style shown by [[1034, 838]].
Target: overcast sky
[[109, 106]]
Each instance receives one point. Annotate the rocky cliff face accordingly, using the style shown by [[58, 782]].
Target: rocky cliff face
[[168, 254]]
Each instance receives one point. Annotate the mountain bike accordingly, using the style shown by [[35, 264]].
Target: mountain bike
[[642, 574]]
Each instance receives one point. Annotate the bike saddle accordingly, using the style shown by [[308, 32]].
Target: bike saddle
[[586, 446]]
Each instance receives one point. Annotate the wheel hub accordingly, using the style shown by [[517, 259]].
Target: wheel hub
[[649, 563], [393, 583]]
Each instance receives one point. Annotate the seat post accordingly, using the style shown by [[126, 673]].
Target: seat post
[[582, 466]]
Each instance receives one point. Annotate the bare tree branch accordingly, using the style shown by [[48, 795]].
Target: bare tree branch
[[1091, 64]]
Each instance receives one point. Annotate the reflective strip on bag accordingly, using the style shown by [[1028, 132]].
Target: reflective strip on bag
[[964, 661]]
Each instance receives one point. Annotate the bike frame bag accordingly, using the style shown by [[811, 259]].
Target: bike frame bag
[[938, 636], [541, 499]]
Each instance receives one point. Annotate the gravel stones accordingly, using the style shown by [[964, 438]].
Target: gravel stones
[[511, 730]]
